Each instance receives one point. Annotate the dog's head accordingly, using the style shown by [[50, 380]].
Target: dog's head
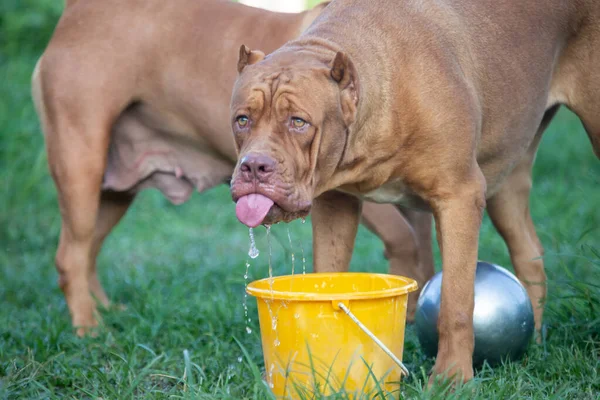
[[290, 115]]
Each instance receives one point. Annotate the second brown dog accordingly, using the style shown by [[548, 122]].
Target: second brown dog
[[134, 95]]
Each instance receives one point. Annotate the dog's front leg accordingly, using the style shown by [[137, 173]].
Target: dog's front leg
[[458, 217], [335, 218]]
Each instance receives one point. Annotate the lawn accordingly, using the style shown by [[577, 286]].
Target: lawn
[[180, 273]]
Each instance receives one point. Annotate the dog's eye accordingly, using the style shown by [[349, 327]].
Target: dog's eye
[[242, 121], [298, 122]]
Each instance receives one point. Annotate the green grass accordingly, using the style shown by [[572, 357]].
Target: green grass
[[179, 271]]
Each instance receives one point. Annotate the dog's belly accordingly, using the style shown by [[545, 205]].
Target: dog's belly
[[142, 157]]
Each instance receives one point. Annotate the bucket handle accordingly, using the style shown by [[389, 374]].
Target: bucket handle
[[366, 330]]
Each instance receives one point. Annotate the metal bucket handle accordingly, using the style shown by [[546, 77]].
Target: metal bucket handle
[[366, 330]]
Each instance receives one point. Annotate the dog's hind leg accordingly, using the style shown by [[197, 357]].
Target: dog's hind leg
[[401, 244], [422, 224], [77, 136], [77, 169], [509, 211], [577, 82], [588, 111], [113, 206]]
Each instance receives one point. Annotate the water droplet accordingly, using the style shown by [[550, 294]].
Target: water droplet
[[276, 342], [291, 249], [240, 359], [248, 330], [244, 303], [296, 315], [274, 323], [253, 251], [271, 376], [270, 254]]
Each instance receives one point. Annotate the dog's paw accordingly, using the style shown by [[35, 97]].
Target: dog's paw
[[454, 369], [89, 331]]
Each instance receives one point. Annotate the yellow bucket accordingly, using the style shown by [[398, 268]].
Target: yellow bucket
[[325, 332]]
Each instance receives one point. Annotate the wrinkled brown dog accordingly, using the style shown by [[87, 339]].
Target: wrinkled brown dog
[[433, 104], [135, 95]]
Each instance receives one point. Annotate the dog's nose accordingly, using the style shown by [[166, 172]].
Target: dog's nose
[[257, 166]]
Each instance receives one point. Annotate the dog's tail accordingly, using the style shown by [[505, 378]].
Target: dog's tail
[[37, 94]]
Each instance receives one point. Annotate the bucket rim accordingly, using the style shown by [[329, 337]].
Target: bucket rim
[[410, 285]]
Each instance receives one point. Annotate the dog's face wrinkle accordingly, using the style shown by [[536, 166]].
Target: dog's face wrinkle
[[299, 91], [256, 103]]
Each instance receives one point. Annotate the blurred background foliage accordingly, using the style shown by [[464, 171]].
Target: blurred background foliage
[[26, 25]]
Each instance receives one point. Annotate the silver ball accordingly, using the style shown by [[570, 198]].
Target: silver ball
[[502, 319]]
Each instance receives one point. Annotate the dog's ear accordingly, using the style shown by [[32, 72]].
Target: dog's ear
[[344, 73], [248, 57]]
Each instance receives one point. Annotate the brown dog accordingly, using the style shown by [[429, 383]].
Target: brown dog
[[433, 104], [135, 95]]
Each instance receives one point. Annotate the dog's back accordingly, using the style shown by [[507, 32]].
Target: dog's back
[[160, 74]]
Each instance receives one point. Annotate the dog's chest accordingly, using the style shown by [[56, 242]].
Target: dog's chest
[[395, 192], [386, 194]]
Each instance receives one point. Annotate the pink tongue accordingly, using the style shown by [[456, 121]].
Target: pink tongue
[[252, 209]]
